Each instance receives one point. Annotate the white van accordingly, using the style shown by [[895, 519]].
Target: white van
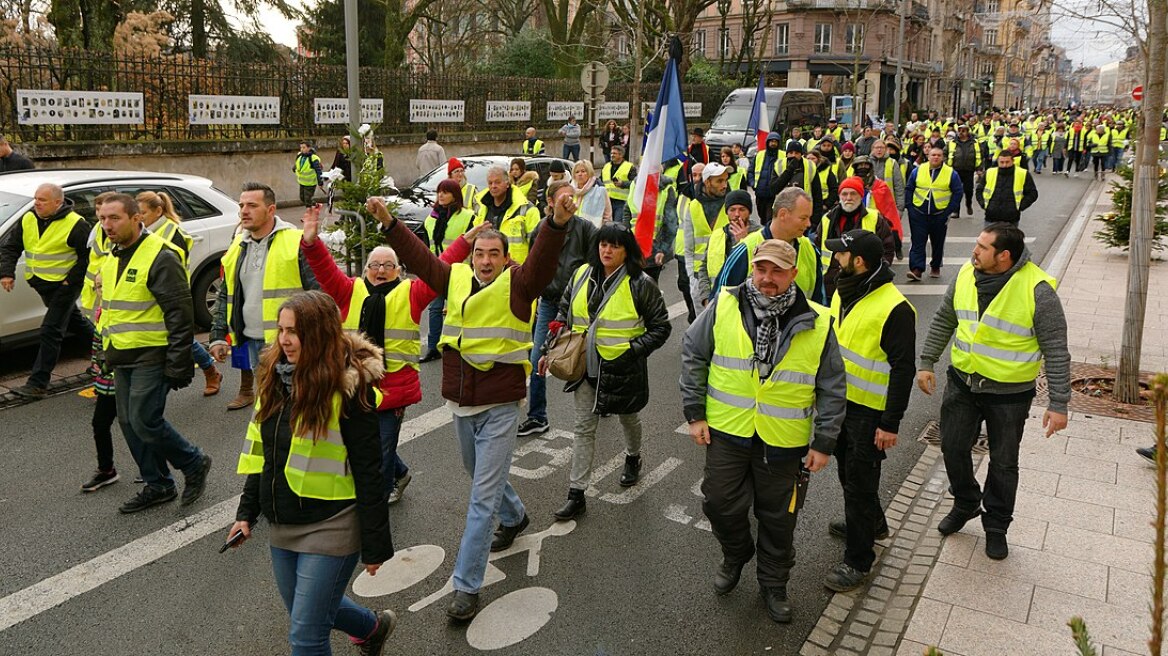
[[786, 108]]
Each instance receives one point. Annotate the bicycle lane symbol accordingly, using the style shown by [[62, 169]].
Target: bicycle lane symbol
[[510, 619]]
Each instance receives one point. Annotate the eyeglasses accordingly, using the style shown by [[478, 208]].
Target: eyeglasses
[[373, 266]]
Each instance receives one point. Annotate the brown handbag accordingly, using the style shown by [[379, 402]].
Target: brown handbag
[[566, 355]]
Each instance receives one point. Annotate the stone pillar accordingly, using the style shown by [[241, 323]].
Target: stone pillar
[[798, 78]]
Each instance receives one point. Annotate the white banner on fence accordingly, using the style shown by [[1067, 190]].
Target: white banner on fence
[[336, 110], [437, 111], [692, 110], [560, 111], [612, 110], [233, 110], [508, 110], [48, 107]]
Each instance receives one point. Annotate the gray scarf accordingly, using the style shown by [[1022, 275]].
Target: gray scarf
[[767, 310], [285, 370]]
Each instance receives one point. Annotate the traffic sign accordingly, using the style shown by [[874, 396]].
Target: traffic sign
[[1138, 93], [594, 78]]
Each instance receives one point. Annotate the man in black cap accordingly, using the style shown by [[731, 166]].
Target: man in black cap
[[876, 328]]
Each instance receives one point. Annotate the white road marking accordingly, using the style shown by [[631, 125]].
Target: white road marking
[[424, 423], [407, 568], [973, 240], [676, 310], [915, 289], [512, 618]]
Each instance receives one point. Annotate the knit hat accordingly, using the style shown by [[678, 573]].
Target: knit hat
[[794, 147], [739, 197], [848, 146], [557, 166], [854, 183], [453, 164]]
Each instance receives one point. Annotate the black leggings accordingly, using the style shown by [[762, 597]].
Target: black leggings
[[1098, 163], [105, 413]]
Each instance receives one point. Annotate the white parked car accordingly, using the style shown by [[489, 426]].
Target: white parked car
[[209, 215]]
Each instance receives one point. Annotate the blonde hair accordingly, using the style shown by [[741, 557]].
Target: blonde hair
[[587, 167], [159, 201]]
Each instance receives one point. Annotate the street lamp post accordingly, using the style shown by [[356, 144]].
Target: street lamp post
[[898, 97]]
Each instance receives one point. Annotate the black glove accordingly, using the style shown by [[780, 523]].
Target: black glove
[[176, 383]]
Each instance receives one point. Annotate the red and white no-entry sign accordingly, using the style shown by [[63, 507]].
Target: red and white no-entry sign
[[1138, 93]]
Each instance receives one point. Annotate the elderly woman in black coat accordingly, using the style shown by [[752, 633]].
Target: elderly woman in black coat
[[622, 313]]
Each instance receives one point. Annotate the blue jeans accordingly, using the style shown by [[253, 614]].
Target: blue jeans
[[202, 357], [572, 152], [313, 589], [927, 228], [392, 467], [487, 441], [537, 390], [1113, 159], [434, 327], [141, 400], [1039, 160]]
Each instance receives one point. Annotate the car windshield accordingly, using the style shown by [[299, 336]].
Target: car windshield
[[734, 117], [11, 204], [476, 174]]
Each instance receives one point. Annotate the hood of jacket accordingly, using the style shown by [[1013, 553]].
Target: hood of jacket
[[528, 176], [366, 363], [62, 211], [774, 136]]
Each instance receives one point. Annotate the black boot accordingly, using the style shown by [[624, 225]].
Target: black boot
[[632, 472], [574, 507]]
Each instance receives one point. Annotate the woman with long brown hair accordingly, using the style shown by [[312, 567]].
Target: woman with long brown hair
[[312, 456]]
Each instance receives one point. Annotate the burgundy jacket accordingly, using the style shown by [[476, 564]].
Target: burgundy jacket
[[503, 383]]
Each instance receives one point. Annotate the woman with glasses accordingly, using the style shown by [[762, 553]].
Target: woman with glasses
[[386, 308], [312, 459], [622, 314]]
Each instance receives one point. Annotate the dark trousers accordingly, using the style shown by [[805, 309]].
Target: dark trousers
[[61, 315], [927, 228], [858, 463], [737, 477], [1099, 163], [572, 152], [105, 413], [766, 206], [141, 397], [1058, 164], [967, 190], [683, 287], [962, 413], [306, 194]]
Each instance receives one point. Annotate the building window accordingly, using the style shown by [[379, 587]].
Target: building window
[[782, 38], [987, 69], [724, 42], [622, 46], [822, 37], [991, 37], [991, 7], [699, 42], [854, 38]]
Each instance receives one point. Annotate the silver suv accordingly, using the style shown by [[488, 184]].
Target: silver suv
[[207, 213]]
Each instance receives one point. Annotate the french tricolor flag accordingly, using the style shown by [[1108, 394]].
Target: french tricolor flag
[[665, 140], [758, 115]]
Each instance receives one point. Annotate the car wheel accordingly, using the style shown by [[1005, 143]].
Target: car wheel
[[205, 293]]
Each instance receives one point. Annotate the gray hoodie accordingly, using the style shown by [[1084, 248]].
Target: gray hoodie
[[1050, 327]]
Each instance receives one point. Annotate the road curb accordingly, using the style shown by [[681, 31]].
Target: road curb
[[1058, 258]]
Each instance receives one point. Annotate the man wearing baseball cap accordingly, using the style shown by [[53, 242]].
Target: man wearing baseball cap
[[834, 130], [705, 220], [876, 328], [764, 390]]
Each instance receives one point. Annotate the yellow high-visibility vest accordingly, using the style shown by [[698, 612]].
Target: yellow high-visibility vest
[[48, 256], [481, 327], [167, 228], [305, 172], [281, 277], [935, 188], [865, 362], [621, 174], [403, 344], [519, 221], [99, 249], [530, 148], [991, 182], [703, 233], [868, 222], [130, 315], [456, 225], [617, 323]]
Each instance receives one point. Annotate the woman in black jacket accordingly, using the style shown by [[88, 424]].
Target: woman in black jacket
[[313, 459], [622, 312]]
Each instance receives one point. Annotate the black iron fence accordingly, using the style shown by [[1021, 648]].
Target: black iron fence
[[166, 82]]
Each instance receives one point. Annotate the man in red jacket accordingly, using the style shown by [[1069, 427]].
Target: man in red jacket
[[486, 343], [367, 305]]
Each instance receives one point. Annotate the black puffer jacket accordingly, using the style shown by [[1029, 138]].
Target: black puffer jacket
[[623, 384], [268, 492]]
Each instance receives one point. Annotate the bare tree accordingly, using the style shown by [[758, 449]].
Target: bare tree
[[507, 17], [448, 32]]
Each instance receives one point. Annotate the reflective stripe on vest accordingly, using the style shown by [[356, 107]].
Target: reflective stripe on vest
[[859, 334], [130, 315], [702, 232], [622, 174], [532, 148], [779, 409], [618, 322], [305, 173], [281, 277], [805, 263], [991, 183], [937, 189], [758, 159], [99, 249], [167, 228], [1098, 144], [868, 222], [403, 345], [517, 225], [1000, 343], [456, 225], [48, 256], [481, 326], [808, 174]]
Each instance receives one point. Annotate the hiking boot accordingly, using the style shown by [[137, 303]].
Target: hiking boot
[[777, 605], [212, 381], [147, 497], [30, 392], [100, 479], [996, 547], [399, 487], [246, 396], [632, 472], [840, 530], [505, 535], [575, 506], [532, 426], [464, 606], [955, 521], [844, 578], [727, 576], [196, 482], [375, 643]]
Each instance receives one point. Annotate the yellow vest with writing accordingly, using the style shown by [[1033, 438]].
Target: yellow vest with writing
[[130, 315]]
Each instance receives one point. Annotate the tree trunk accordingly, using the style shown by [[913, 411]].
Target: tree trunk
[[1144, 189], [199, 29]]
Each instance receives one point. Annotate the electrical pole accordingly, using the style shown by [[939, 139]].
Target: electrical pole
[[353, 72], [635, 123], [899, 96]]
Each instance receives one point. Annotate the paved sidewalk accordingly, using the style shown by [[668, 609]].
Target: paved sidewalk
[[1081, 541]]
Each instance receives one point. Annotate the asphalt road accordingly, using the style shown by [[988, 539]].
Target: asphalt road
[[633, 576]]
